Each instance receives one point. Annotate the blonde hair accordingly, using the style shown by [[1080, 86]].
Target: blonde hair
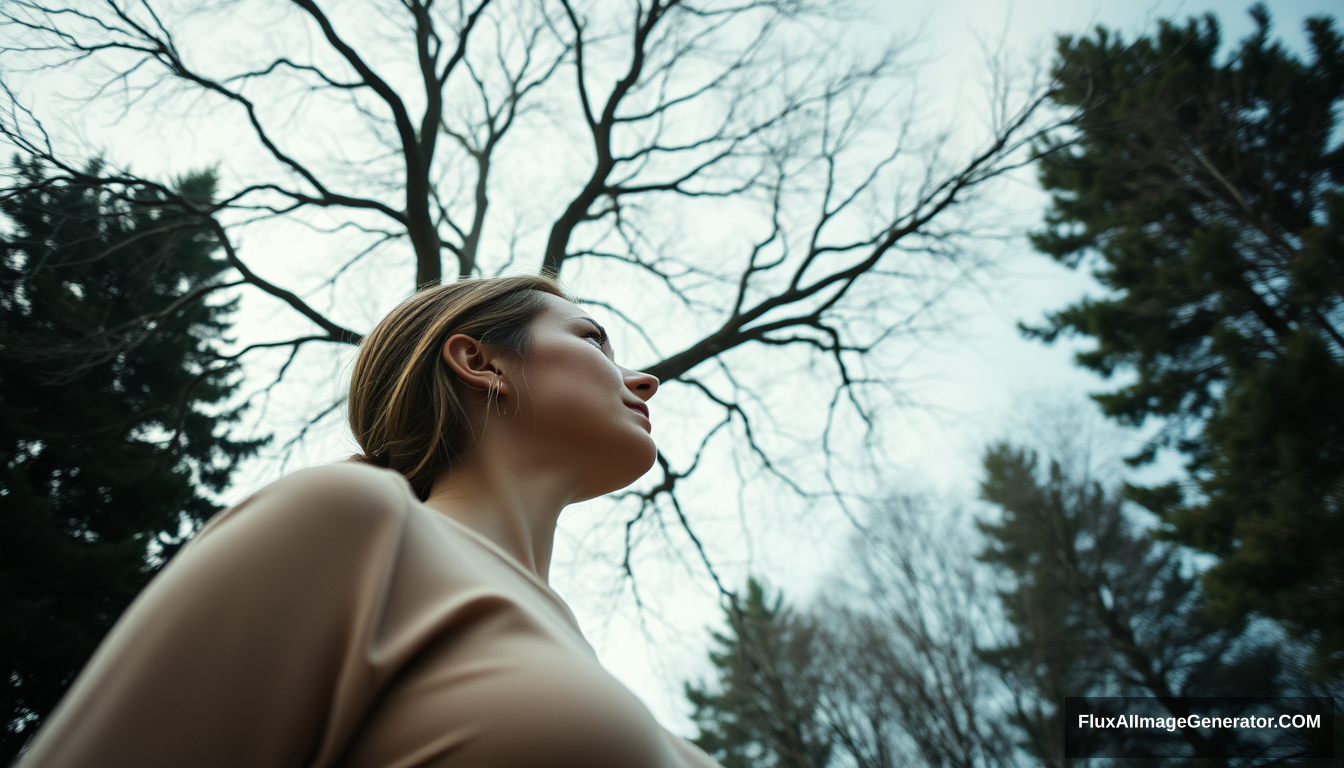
[[406, 408]]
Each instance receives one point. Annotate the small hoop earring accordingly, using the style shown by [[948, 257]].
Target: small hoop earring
[[492, 393]]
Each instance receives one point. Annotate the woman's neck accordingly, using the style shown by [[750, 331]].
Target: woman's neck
[[513, 506]]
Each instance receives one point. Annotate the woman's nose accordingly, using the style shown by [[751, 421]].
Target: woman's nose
[[644, 385]]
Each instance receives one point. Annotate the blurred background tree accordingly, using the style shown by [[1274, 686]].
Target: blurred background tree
[[941, 644], [1100, 607], [1204, 190], [763, 711], [114, 417], [903, 623]]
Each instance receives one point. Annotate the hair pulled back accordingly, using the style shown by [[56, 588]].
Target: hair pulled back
[[406, 406]]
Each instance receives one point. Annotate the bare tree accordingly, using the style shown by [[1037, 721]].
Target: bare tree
[[904, 682], [599, 142]]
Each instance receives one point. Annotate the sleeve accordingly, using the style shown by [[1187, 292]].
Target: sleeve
[[250, 647]]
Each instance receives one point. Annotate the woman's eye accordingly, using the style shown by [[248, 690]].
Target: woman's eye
[[597, 336]]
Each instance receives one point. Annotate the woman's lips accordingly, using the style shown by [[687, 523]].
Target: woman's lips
[[641, 408]]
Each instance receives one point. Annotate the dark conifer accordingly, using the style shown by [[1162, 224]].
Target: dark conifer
[[1206, 192], [114, 411], [1100, 608], [762, 712]]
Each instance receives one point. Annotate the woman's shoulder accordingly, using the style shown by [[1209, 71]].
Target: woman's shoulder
[[232, 654], [343, 496], [346, 482]]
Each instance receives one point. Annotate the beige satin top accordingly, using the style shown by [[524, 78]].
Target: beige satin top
[[333, 620]]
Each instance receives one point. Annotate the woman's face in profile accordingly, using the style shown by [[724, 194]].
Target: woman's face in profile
[[579, 405]]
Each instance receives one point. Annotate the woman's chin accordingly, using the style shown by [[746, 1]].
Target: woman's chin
[[623, 469], [649, 457]]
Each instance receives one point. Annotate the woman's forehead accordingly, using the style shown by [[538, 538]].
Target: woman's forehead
[[558, 309]]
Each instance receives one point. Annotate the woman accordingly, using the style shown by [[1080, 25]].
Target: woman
[[394, 611]]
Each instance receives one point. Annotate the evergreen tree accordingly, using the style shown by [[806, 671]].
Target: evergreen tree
[[1205, 193], [763, 711], [1101, 608], [112, 418]]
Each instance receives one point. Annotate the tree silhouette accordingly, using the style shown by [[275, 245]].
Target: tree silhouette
[[113, 436]]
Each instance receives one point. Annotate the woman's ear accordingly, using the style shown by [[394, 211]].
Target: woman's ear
[[475, 363]]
